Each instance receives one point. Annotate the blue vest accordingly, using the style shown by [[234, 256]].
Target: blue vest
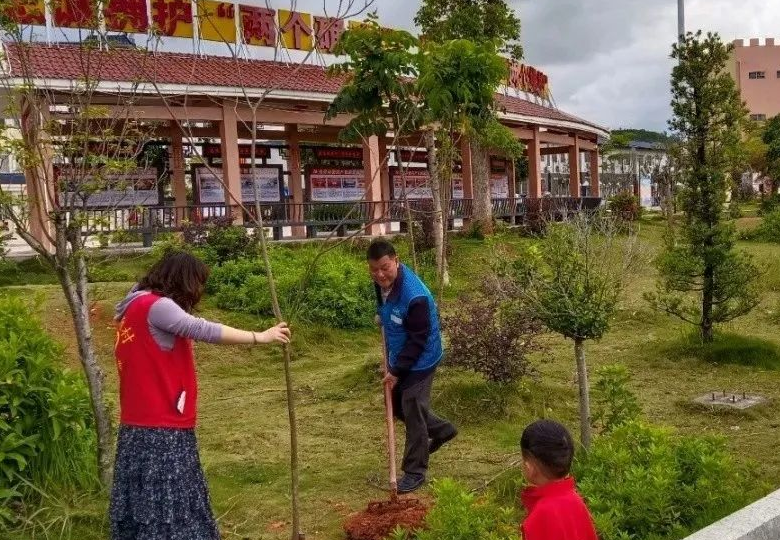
[[393, 314]]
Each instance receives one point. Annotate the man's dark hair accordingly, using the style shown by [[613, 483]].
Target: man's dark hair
[[179, 276], [379, 249], [551, 444]]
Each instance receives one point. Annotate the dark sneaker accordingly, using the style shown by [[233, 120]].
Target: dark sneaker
[[438, 443], [410, 482]]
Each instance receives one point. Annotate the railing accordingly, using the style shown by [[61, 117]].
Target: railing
[[157, 219]]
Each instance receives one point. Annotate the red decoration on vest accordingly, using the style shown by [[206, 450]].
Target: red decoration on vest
[[157, 388]]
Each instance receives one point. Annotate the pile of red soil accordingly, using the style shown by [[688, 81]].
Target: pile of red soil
[[382, 517]]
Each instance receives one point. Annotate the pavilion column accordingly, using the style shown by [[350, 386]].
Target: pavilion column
[[178, 186], [39, 176], [373, 178], [468, 177], [574, 168], [595, 187], [384, 172], [533, 151], [296, 180], [231, 166]]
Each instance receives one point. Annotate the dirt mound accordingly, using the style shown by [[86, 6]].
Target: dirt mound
[[382, 517]]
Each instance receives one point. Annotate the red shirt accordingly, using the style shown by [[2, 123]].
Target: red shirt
[[556, 512], [153, 383]]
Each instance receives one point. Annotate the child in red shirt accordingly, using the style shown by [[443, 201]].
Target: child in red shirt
[[555, 509]]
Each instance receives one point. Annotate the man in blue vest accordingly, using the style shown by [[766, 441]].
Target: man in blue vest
[[408, 315]]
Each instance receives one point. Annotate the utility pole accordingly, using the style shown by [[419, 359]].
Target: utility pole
[[680, 21]]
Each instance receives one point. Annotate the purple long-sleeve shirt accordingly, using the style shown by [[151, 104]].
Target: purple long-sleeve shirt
[[167, 320]]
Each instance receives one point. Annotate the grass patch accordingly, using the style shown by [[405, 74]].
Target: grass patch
[[730, 348]]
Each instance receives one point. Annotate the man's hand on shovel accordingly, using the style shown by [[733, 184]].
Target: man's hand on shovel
[[390, 380]]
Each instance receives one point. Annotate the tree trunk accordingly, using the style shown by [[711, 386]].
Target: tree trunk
[[76, 295], [442, 272], [707, 333], [483, 206], [409, 218], [295, 533], [582, 380]]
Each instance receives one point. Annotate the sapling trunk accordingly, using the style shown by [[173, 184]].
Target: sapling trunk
[[582, 380]]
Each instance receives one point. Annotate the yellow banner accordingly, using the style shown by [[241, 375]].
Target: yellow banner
[[296, 29], [217, 21]]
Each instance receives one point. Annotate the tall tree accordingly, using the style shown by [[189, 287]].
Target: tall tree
[[482, 22], [771, 139], [703, 279], [457, 84], [475, 20]]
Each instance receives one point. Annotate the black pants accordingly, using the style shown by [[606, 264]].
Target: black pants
[[411, 405]]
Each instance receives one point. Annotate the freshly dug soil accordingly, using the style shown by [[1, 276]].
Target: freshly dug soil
[[382, 517]]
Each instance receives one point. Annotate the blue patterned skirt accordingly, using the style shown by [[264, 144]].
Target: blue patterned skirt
[[159, 491]]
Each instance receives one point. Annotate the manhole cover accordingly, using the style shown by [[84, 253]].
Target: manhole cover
[[738, 400]]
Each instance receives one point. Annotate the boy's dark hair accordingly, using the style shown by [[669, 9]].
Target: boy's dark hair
[[379, 249], [551, 444], [178, 276]]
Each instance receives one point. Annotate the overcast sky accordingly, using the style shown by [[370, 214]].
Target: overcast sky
[[608, 60]]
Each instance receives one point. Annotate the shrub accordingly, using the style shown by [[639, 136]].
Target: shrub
[[614, 404], [125, 237], [337, 292], [489, 336], [735, 210], [459, 514], [769, 204], [769, 230], [644, 482], [228, 243], [46, 427], [625, 206]]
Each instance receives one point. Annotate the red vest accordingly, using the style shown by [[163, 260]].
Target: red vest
[[556, 512], [153, 383]]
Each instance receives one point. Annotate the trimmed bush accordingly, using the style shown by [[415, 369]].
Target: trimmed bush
[[645, 482]]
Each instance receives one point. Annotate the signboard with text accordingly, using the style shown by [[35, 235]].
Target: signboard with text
[[210, 188], [418, 184], [334, 184], [137, 187]]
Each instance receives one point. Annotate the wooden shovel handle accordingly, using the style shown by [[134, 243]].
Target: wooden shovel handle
[[390, 423]]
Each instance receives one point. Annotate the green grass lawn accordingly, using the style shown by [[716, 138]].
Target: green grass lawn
[[243, 428]]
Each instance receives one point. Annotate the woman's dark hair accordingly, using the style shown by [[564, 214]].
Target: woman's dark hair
[[379, 249], [551, 444], [179, 276]]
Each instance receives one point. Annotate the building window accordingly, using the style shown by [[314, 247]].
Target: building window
[[758, 117], [757, 75]]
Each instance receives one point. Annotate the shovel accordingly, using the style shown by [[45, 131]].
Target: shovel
[[390, 424]]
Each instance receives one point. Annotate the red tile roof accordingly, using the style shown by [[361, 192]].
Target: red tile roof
[[75, 62]]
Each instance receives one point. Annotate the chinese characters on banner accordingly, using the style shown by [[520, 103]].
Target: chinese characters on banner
[[127, 16], [26, 12], [172, 17], [258, 25], [296, 29], [73, 13], [332, 184], [418, 184], [528, 79]]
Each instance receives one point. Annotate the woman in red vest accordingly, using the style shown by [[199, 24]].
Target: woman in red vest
[[159, 490]]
